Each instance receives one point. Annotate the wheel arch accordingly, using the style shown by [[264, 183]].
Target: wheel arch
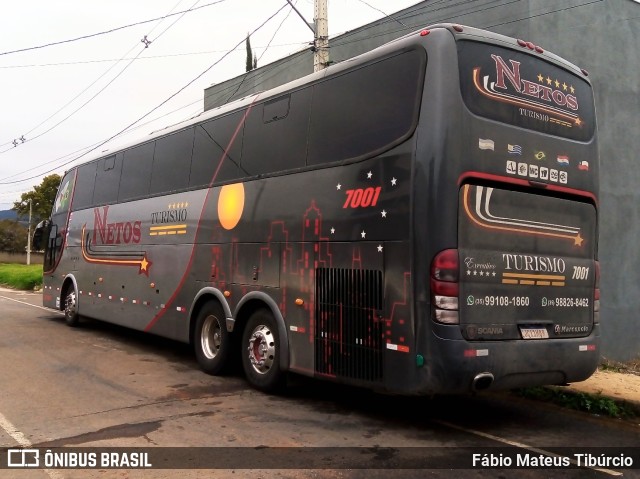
[[204, 295], [69, 281], [256, 300]]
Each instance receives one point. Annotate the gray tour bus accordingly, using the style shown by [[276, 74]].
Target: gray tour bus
[[420, 219]]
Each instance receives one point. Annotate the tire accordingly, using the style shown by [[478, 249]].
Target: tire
[[261, 352], [212, 343], [71, 316]]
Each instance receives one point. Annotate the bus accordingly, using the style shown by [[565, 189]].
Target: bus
[[420, 219]]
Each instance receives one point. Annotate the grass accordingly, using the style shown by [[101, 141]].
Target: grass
[[21, 276], [579, 401], [586, 402]]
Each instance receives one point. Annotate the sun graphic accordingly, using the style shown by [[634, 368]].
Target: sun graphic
[[231, 205]]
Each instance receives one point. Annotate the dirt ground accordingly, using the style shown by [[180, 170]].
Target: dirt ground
[[623, 385]]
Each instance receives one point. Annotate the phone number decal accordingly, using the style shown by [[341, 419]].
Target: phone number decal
[[565, 302], [493, 301]]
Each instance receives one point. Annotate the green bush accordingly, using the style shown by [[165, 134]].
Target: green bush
[[21, 276]]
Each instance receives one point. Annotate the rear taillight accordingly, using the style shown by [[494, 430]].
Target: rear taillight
[[444, 286], [596, 295]]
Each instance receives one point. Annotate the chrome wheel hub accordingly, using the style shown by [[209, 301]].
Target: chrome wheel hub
[[211, 337], [262, 349]]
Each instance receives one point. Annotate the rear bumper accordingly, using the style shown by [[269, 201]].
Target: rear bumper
[[460, 366]]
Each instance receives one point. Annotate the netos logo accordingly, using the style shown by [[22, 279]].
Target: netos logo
[[529, 88], [125, 232]]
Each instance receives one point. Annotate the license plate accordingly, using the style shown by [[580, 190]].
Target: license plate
[[534, 333]]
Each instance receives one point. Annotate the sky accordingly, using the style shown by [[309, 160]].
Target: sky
[[61, 95]]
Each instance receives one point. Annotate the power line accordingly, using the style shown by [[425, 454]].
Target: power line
[[131, 125], [408, 15], [384, 13], [265, 50], [105, 32], [147, 43], [151, 57]]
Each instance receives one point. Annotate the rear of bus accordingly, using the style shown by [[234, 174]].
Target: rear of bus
[[514, 294]]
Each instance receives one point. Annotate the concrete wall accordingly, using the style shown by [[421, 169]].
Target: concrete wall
[[599, 36], [20, 258]]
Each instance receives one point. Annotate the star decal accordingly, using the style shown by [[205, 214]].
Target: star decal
[[338, 186], [383, 213], [363, 234], [369, 175], [333, 231], [578, 240], [393, 181], [145, 264], [380, 248]]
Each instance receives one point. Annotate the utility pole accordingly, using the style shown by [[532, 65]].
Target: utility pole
[[29, 233], [321, 40]]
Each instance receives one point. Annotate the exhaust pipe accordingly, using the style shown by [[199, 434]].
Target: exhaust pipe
[[481, 382]]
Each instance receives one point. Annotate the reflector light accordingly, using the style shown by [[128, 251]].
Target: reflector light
[[473, 353], [584, 72], [539, 49], [424, 33], [522, 43], [458, 28]]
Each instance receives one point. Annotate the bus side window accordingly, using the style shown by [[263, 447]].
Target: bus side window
[[83, 194], [172, 162], [216, 150], [107, 180], [136, 172], [276, 134], [361, 112]]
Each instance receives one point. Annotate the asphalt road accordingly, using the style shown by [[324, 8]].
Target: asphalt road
[[104, 386]]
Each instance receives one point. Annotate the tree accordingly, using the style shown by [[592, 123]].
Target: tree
[[252, 60], [13, 236], [42, 197]]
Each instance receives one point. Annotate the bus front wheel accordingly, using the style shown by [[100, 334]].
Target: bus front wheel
[[71, 315], [212, 341], [261, 352]]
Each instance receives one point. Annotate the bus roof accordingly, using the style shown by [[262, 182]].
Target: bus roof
[[406, 41]]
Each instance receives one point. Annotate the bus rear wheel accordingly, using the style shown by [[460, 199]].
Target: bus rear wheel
[[71, 315], [212, 342], [261, 352]]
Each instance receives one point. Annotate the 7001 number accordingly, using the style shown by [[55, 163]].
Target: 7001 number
[[362, 197]]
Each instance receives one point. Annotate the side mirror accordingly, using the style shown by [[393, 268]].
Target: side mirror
[[39, 233]]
